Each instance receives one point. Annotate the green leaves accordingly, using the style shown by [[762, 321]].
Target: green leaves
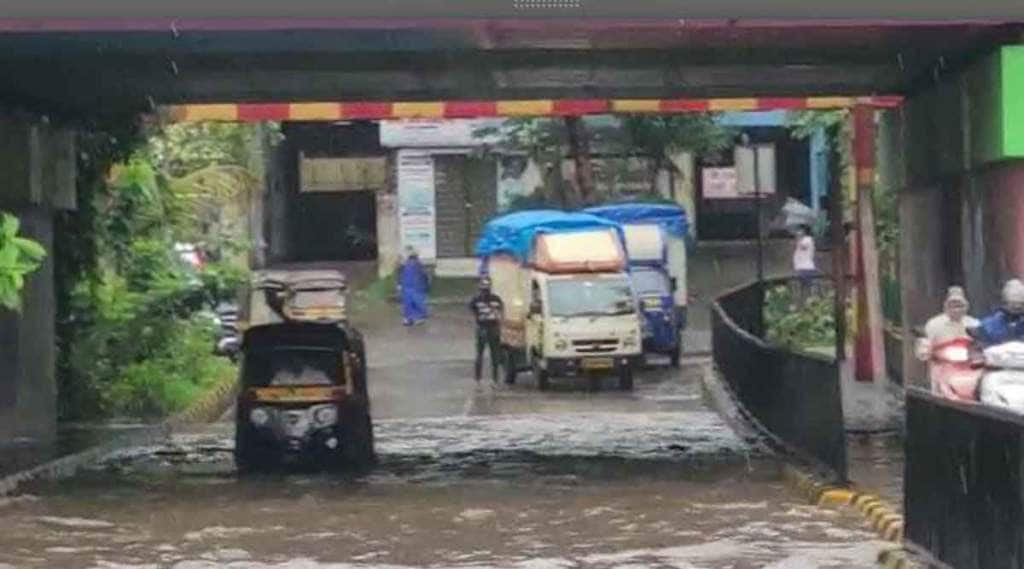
[[19, 257], [790, 325]]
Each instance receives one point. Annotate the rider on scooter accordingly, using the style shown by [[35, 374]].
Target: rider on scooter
[[950, 325], [1006, 324], [942, 332]]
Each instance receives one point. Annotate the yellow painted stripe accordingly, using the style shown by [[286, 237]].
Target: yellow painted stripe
[[314, 111], [228, 112], [636, 105], [525, 108], [836, 496], [865, 176], [732, 104], [417, 110], [830, 102]]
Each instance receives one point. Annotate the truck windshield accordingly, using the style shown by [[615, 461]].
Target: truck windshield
[[650, 282], [590, 297]]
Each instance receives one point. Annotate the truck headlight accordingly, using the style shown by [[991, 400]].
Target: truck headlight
[[561, 345], [259, 416], [630, 341], [325, 415]]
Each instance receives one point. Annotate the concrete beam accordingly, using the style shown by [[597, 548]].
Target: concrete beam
[[136, 88]]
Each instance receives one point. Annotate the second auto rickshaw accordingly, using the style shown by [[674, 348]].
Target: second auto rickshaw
[[302, 396]]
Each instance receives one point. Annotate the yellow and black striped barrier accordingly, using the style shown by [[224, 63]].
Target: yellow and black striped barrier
[[210, 406], [883, 519]]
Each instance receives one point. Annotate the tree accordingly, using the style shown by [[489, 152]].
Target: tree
[[548, 141], [660, 135], [19, 257]]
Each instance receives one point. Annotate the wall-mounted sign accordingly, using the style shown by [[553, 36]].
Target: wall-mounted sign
[[436, 133], [416, 207], [342, 174], [719, 183]]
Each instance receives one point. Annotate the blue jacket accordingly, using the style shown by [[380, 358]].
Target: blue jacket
[[1000, 327], [413, 277]]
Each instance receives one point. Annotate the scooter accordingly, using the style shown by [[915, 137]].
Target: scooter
[[1003, 382], [956, 370]]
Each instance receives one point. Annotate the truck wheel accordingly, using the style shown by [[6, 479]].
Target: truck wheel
[[626, 377], [541, 375], [511, 366], [357, 429], [677, 354]]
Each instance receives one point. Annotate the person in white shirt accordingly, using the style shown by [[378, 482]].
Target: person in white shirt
[[952, 324], [803, 261]]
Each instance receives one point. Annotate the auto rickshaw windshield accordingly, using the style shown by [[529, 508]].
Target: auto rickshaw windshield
[[292, 366]]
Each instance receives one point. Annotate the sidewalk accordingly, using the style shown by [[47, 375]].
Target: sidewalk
[[874, 422]]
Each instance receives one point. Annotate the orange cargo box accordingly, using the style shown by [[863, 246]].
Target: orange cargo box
[[596, 251]]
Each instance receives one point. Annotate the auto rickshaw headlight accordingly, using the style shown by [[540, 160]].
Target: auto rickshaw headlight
[[325, 415], [259, 416]]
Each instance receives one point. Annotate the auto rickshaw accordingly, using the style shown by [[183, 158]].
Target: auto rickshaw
[[302, 396]]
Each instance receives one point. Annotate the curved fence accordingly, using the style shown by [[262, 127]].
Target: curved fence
[[794, 395]]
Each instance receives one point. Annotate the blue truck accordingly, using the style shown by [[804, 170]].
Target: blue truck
[[656, 237]]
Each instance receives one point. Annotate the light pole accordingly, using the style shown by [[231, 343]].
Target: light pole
[[745, 141]]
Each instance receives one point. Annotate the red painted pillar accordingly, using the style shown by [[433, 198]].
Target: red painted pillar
[[869, 353]]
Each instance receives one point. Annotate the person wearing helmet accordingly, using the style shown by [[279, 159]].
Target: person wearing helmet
[[952, 324], [1006, 324], [486, 308]]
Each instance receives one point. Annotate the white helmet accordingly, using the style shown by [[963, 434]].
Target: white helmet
[[1013, 292]]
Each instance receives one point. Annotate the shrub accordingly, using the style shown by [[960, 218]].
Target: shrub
[[790, 325]]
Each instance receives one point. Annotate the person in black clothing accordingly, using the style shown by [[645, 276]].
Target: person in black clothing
[[487, 308]]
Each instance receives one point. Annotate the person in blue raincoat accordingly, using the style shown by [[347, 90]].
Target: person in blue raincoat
[[413, 283], [1006, 324]]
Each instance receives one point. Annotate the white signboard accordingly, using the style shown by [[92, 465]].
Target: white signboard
[[719, 183], [435, 133], [416, 209]]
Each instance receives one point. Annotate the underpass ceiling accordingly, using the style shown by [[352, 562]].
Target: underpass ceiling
[[90, 72]]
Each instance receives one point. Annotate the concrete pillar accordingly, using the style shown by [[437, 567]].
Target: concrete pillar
[[28, 385], [37, 163]]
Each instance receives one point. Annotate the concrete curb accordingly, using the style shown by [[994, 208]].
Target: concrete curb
[[883, 519], [210, 406], [206, 409]]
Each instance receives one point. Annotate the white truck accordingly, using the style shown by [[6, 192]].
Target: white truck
[[569, 304]]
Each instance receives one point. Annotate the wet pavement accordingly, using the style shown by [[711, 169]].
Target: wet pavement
[[470, 475]]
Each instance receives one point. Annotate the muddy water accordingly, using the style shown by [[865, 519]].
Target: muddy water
[[508, 491], [470, 476]]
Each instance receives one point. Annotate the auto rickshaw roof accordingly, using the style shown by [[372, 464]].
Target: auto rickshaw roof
[[300, 278]]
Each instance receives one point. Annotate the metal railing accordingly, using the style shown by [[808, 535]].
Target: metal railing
[[792, 394], [964, 483]]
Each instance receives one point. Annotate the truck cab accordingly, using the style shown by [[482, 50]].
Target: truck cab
[[583, 324], [655, 236]]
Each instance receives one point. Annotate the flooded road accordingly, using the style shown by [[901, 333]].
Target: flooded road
[[470, 476]]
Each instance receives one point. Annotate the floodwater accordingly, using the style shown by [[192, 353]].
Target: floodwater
[[470, 476]]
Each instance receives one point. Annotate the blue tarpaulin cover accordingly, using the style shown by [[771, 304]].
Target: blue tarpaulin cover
[[513, 233], [671, 218]]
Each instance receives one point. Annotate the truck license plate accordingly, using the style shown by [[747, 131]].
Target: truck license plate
[[598, 363]]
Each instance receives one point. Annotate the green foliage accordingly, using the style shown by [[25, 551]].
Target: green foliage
[[133, 336], [658, 135], [792, 326], [546, 141], [19, 257]]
